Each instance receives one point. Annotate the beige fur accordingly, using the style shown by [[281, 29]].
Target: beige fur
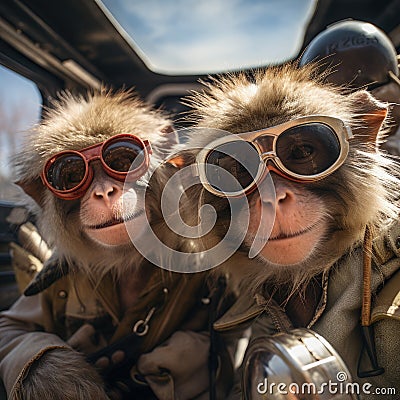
[[362, 192], [75, 122], [72, 123], [77, 380]]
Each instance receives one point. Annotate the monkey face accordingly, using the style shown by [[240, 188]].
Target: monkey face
[[109, 213], [303, 150], [314, 221], [97, 175], [81, 170]]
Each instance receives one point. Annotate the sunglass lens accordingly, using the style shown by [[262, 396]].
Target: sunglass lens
[[232, 166], [308, 149], [66, 172], [123, 155]]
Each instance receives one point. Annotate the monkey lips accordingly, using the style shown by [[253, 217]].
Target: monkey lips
[[108, 223], [293, 247]]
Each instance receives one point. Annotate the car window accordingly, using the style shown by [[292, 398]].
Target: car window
[[20, 107], [191, 36]]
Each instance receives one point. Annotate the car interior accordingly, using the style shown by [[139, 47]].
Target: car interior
[[47, 47], [79, 45]]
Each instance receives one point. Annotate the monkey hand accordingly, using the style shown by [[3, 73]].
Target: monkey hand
[[178, 366], [62, 374]]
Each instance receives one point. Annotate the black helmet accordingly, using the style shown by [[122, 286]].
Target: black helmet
[[358, 53]]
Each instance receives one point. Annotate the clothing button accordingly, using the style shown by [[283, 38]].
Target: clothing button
[[62, 294], [118, 357], [102, 362]]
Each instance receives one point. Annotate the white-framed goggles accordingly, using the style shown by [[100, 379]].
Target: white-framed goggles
[[305, 149]]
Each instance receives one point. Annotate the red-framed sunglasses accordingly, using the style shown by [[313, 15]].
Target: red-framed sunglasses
[[123, 157]]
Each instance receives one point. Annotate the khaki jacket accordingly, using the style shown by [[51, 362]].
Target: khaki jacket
[[74, 309], [337, 317]]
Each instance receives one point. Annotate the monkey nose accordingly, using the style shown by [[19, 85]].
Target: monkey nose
[[106, 192]]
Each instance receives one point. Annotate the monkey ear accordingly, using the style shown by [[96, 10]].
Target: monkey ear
[[371, 111], [33, 188]]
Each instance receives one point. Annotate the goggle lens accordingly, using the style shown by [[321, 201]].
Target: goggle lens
[[308, 149], [67, 172], [122, 155], [304, 152], [239, 159]]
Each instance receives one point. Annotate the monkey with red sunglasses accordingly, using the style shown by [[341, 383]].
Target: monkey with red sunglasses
[[92, 322]]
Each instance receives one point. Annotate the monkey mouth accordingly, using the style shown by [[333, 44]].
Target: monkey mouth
[[283, 235], [116, 221]]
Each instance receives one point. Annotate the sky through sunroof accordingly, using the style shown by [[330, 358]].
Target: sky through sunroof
[[198, 36]]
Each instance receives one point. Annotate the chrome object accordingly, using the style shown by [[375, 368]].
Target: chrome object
[[297, 365]]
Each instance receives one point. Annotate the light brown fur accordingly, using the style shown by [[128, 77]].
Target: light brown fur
[[74, 123], [362, 192], [44, 383]]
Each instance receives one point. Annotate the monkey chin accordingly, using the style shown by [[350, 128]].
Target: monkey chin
[[292, 250]]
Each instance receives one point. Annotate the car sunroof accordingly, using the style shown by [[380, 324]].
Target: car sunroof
[[197, 37]]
